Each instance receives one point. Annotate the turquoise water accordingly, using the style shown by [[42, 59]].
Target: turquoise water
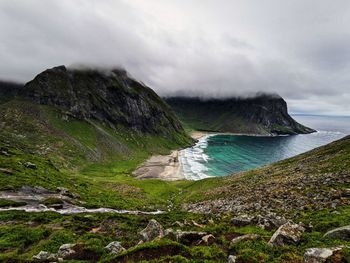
[[221, 155]]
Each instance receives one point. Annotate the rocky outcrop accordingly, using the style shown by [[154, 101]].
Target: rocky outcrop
[[111, 97], [263, 114]]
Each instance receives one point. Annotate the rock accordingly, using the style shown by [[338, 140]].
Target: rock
[[115, 248], [208, 239], [152, 231], [56, 206], [30, 165], [36, 190], [188, 237], [342, 233], [319, 255], [287, 234], [270, 221], [242, 220], [244, 238], [44, 256], [6, 171], [231, 259], [66, 250]]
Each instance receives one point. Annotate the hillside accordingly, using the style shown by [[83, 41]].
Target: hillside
[[69, 164], [264, 114]]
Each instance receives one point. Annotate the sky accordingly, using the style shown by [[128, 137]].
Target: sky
[[299, 49]]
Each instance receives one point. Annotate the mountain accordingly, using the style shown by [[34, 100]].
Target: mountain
[[111, 97], [8, 90], [263, 114]]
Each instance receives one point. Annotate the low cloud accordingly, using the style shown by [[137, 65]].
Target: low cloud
[[299, 49]]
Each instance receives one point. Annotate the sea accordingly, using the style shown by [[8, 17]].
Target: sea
[[221, 155]]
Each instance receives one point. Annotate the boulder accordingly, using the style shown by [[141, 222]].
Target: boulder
[[320, 255], [231, 259], [287, 234], [44, 256], [189, 237], [152, 231], [244, 238], [115, 247], [342, 233], [66, 250]]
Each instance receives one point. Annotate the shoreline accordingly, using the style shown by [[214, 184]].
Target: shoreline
[[165, 167], [168, 167]]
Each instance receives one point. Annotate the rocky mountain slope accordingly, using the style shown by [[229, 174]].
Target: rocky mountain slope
[[263, 114], [111, 97]]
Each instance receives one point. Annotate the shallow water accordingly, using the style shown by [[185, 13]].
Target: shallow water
[[220, 155]]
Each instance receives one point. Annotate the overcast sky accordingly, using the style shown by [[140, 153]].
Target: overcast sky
[[299, 49]]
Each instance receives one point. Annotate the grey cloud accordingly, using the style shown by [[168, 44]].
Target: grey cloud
[[298, 49]]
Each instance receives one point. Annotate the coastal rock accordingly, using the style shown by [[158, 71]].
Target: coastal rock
[[287, 234], [152, 231], [244, 238], [44, 256], [342, 233], [320, 255], [115, 247]]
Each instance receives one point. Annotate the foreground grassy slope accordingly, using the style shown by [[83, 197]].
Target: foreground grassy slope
[[88, 158]]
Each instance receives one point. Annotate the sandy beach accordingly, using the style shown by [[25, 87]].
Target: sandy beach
[[164, 167]]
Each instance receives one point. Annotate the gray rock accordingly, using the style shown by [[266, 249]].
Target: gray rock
[[287, 234], [188, 237], [152, 231], [342, 233], [244, 238], [242, 220], [66, 250], [115, 247], [44, 256], [319, 255], [231, 259]]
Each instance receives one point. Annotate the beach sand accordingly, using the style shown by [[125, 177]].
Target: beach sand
[[164, 167]]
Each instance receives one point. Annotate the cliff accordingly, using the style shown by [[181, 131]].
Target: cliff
[[111, 97], [264, 114]]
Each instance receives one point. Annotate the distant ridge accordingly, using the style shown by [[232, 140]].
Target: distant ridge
[[265, 114]]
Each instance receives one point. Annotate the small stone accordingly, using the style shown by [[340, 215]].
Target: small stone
[[287, 234], [208, 239], [30, 165], [44, 256], [115, 248], [342, 233], [231, 259], [6, 171], [152, 231], [244, 238]]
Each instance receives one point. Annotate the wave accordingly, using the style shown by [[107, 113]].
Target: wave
[[193, 160]]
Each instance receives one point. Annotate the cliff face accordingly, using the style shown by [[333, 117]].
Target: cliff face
[[110, 97], [263, 114]]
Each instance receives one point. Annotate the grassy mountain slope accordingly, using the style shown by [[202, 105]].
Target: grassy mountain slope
[[88, 158], [79, 161], [263, 114]]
